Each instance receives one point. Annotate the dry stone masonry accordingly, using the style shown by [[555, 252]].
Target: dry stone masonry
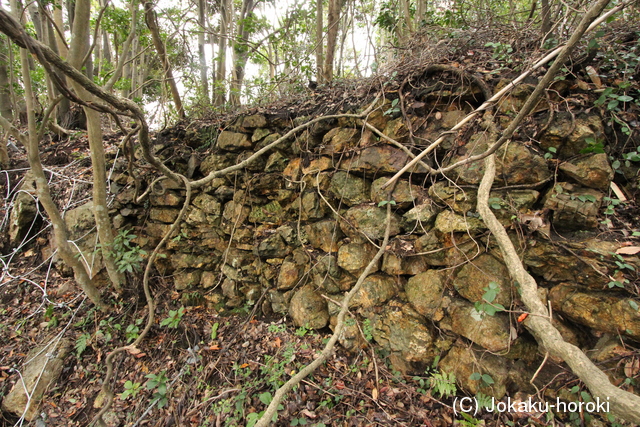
[[293, 231]]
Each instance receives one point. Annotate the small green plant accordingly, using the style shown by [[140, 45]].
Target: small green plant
[[385, 202], [302, 331], [622, 266], [485, 379], [214, 331], [132, 331], [82, 342], [487, 307], [495, 203], [182, 235], [275, 328], [469, 421], [367, 330], [174, 318], [593, 146], [611, 205], [159, 383], [127, 256], [501, 51], [394, 108], [551, 151], [266, 399], [50, 317], [444, 384], [130, 389]]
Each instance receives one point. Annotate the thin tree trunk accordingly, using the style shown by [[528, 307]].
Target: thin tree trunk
[[77, 52], [204, 76], [333, 19], [6, 106], [152, 23], [241, 51], [319, 42], [122, 66], [64, 106], [218, 87], [545, 15]]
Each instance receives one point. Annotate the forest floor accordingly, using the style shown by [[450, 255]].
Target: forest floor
[[197, 367]]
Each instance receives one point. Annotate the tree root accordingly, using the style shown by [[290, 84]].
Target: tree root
[[623, 404]]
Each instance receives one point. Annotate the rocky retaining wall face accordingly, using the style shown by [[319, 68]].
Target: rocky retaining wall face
[[302, 223]]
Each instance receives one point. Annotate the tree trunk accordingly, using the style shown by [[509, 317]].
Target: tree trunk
[[64, 107], [241, 50], [77, 52], [545, 15], [319, 43], [152, 23], [204, 76], [333, 19], [6, 109], [218, 86]]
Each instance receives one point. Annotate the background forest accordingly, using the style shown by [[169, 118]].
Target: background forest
[[153, 112]]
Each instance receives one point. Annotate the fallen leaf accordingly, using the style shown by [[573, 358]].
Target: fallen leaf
[[631, 368], [134, 351], [628, 250], [374, 394], [277, 342]]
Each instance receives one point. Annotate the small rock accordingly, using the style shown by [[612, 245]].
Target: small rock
[[354, 257], [449, 222], [350, 189], [477, 274], [591, 171], [425, 291], [404, 194], [308, 309], [369, 220], [233, 141], [324, 235], [492, 332], [597, 310]]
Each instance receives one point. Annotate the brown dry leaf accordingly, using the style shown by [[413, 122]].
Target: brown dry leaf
[[134, 351], [374, 394], [631, 368], [628, 250], [593, 75]]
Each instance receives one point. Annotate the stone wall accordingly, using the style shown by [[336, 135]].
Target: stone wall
[[292, 232]]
